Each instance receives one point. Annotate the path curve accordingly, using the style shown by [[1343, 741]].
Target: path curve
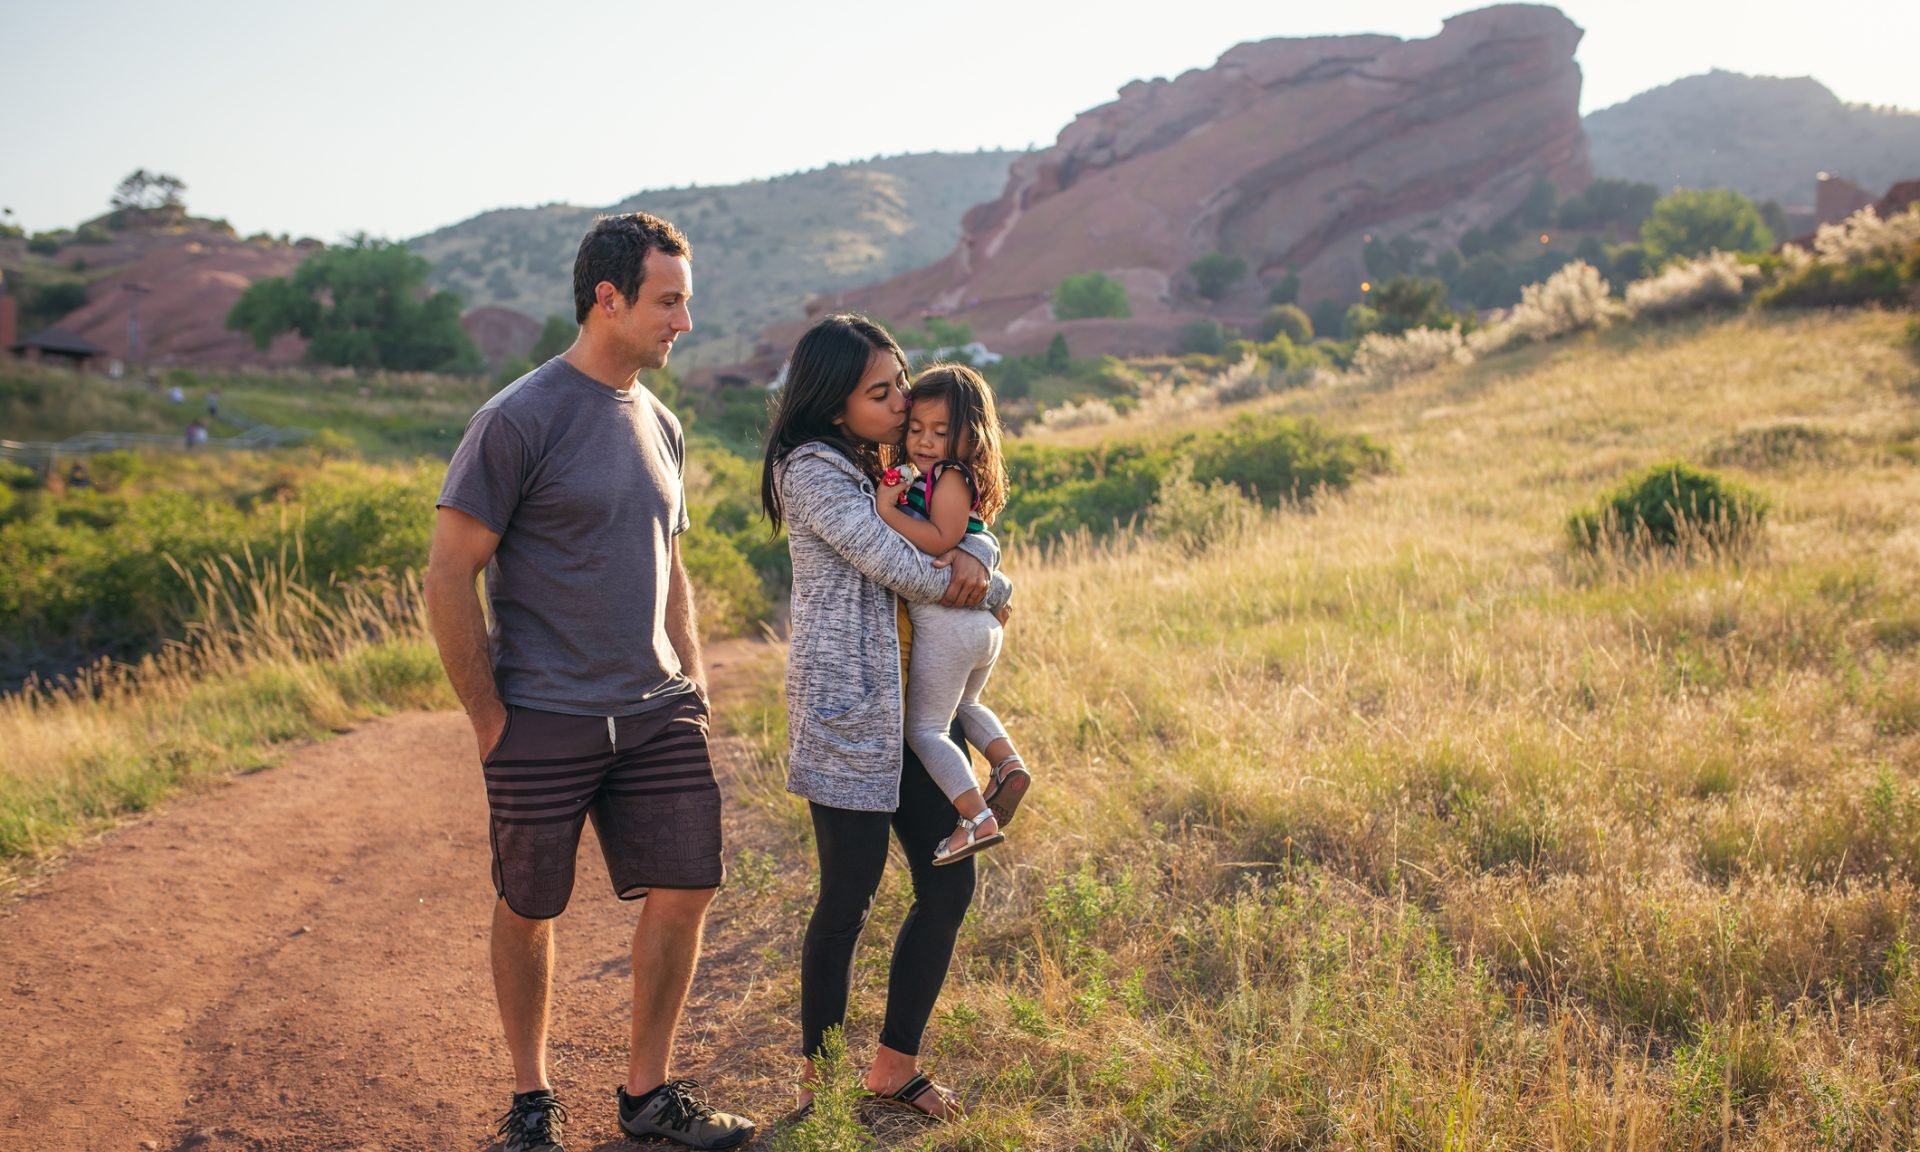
[[297, 960]]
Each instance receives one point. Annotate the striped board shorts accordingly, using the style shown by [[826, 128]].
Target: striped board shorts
[[646, 781]]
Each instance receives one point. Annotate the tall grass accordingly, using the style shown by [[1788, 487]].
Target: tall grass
[[267, 659], [1399, 824]]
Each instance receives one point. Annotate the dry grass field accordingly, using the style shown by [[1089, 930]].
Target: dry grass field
[[1391, 823], [1388, 822]]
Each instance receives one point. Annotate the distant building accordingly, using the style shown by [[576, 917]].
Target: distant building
[[58, 344], [1837, 198]]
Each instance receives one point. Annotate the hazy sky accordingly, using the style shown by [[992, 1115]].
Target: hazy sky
[[397, 118]]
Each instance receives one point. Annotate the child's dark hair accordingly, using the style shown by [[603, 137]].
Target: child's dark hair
[[969, 407], [822, 373]]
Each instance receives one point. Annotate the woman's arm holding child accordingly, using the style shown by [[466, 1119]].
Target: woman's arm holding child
[[947, 513]]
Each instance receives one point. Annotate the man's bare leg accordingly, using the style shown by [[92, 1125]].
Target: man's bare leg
[[666, 947], [522, 975]]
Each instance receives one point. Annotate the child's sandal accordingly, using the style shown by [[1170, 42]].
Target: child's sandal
[[1009, 787], [946, 853]]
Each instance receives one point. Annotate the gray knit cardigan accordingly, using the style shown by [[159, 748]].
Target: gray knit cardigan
[[843, 658]]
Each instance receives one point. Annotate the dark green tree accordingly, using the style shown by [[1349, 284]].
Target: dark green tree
[[1329, 318], [1090, 295], [1215, 273], [1285, 290], [556, 336], [363, 305], [1058, 358], [1289, 321], [1205, 336], [1486, 281], [1407, 302], [1400, 256], [1695, 221], [1537, 209]]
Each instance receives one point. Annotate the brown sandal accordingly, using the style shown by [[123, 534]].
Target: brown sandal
[[1008, 789], [910, 1095]]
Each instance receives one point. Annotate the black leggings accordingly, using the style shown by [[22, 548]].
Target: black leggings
[[853, 854]]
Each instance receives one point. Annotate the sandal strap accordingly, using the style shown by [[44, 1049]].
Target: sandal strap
[[1009, 758], [913, 1089]]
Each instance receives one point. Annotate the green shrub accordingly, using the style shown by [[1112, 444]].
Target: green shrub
[[1287, 320], [1215, 273], [1670, 505], [1273, 459], [1206, 337], [1822, 285], [1285, 290], [1359, 321], [1408, 302], [46, 243], [1696, 221], [1090, 295]]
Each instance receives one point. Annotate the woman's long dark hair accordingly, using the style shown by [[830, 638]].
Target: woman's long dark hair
[[822, 373]]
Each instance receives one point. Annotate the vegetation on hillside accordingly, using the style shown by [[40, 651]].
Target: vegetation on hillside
[[761, 249], [1398, 823], [362, 305]]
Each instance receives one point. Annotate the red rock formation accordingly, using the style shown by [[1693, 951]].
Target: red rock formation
[[184, 284], [1286, 152], [501, 334]]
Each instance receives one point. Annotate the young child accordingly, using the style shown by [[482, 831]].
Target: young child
[[953, 440]]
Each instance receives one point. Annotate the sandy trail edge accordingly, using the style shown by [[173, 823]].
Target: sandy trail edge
[[298, 960]]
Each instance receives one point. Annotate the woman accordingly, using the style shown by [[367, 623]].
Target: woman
[[840, 412]]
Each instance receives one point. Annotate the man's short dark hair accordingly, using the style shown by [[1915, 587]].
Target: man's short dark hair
[[615, 250]]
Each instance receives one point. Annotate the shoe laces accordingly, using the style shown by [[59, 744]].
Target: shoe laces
[[533, 1120], [683, 1103]]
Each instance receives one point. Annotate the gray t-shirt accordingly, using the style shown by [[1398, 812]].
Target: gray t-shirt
[[584, 485]]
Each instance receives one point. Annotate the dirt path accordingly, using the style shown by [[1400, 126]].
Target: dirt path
[[298, 960]]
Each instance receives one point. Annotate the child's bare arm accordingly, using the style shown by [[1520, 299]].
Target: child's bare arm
[[946, 522]]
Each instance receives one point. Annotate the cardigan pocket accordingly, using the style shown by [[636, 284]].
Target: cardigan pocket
[[864, 729]]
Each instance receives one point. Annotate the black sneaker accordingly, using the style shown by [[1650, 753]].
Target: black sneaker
[[679, 1111], [533, 1123]]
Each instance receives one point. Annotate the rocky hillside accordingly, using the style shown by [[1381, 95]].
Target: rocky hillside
[[760, 249], [183, 277], [1765, 136], [1287, 153]]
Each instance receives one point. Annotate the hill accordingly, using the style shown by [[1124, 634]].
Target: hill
[[186, 274], [1764, 136], [1287, 154], [761, 248]]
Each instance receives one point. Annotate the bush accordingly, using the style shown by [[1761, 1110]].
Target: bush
[[1696, 221], [1206, 337], [1215, 273], [556, 336], [1285, 290], [1670, 505], [1861, 260], [56, 299], [1383, 359], [1287, 320], [1090, 295], [1692, 286], [1056, 491], [1573, 299], [1409, 302], [46, 243], [1196, 515], [1359, 322]]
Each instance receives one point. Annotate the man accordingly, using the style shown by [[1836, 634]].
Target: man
[[587, 697]]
